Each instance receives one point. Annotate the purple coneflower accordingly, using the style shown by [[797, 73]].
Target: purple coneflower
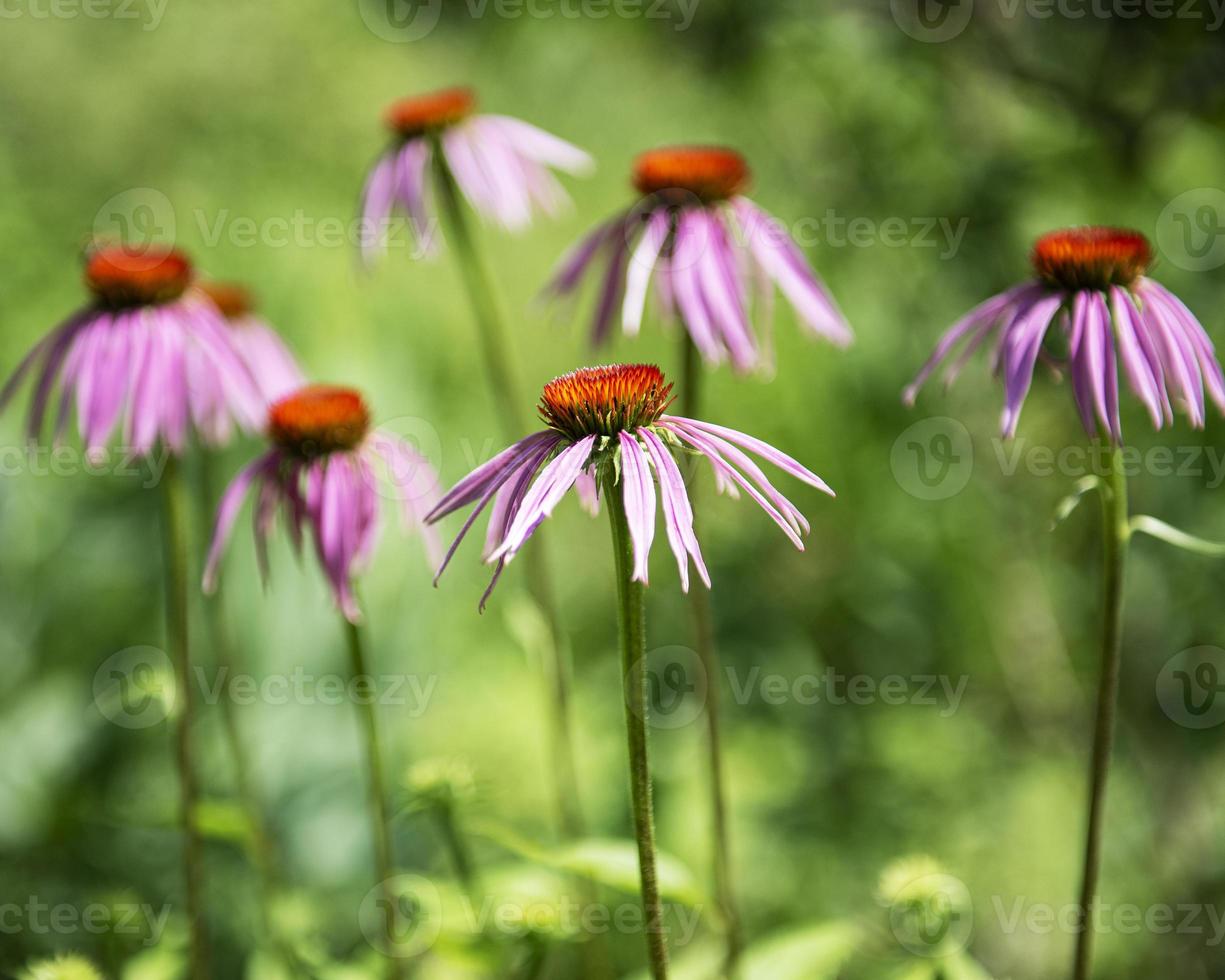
[[149, 350], [607, 429], [1091, 287], [261, 348], [501, 164], [709, 248], [322, 472], [613, 417]]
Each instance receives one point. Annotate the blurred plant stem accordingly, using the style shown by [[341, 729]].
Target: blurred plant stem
[[704, 640], [632, 621], [1116, 532], [457, 845], [502, 379], [175, 525], [379, 817], [263, 852]]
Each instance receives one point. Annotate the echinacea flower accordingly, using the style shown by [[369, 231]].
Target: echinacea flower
[[322, 473], [614, 416], [710, 250], [149, 349], [1091, 306], [261, 348], [502, 165]]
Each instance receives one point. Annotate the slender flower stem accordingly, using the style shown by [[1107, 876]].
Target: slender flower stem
[[457, 845], [262, 850], [379, 817], [632, 617], [1116, 531], [704, 639], [175, 522], [504, 382]]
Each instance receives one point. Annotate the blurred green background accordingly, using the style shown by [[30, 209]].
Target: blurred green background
[[250, 116]]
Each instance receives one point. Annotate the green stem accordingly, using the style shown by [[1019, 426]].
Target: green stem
[[1116, 532], [632, 619], [379, 816], [708, 653], [262, 850], [501, 377], [456, 845], [175, 523]]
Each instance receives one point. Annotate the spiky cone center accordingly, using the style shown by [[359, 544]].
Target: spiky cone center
[[605, 400], [317, 420], [1092, 257], [119, 276], [421, 114], [709, 173], [232, 300]]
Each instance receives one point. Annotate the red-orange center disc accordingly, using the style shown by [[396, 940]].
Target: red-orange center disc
[[319, 419], [419, 114], [709, 173], [605, 400], [121, 276], [1091, 257]]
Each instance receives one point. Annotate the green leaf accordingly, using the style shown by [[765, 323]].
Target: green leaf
[[1143, 524], [608, 861], [1065, 507], [809, 953]]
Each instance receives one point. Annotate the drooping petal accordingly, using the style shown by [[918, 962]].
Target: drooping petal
[[1210, 367], [722, 293], [552, 484], [642, 263], [677, 511], [638, 494], [228, 508], [976, 324], [588, 492], [1139, 372], [782, 259], [376, 203], [1177, 356], [1021, 341], [413, 483], [691, 242], [535, 144], [762, 449], [494, 472]]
